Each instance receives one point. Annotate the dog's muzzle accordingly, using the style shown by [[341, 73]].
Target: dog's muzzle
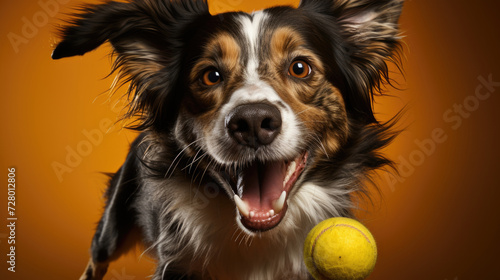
[[261, 188]]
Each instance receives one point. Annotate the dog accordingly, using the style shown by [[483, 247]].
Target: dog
[[253, 128]]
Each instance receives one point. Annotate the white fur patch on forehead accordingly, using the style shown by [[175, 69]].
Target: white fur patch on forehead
[[251, 28], [257, 91]]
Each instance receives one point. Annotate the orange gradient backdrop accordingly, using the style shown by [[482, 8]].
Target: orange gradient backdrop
[[440, 220]]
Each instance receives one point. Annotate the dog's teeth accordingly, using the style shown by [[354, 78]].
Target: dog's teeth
[[279, 203], [242, 206], [271, 213], [251, 214]]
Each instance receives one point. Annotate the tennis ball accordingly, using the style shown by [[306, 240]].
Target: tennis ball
[[340, 249]]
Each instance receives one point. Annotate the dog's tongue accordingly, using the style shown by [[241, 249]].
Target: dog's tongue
[[260, 184]]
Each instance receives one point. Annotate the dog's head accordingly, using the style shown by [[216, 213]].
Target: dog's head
[[276, 105]]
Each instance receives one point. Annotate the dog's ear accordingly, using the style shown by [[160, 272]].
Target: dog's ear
[[370, 27], [116, 22], [147, 36], [94, 26], [370, 31], [143, 33]]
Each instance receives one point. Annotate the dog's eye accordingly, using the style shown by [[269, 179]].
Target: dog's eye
[[299, 69], [211, 77]]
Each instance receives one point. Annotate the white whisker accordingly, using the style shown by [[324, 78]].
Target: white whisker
[[177, 157]]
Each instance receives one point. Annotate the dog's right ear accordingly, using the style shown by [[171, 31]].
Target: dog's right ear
[[113, 21], [93, 27]]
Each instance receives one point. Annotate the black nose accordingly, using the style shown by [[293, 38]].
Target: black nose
[[254, 125]]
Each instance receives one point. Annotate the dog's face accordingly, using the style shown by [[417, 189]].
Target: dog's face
[[265, 102], [261, 105]]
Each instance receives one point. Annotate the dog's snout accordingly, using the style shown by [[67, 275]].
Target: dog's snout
[[254, 125]]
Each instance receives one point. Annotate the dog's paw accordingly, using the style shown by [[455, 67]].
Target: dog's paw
[[94, 271]]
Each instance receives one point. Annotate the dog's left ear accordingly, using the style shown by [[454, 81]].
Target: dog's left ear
[[370, 27], [370, 32]]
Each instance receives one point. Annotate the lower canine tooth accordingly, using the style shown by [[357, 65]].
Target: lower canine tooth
[[279, 203], [242, 206]]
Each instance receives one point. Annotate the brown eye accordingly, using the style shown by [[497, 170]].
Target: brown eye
[[299, 69], [212, 77]]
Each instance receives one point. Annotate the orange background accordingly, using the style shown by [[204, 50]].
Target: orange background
[[440, 221]]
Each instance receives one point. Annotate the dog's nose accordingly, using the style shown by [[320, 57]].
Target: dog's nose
[[254, 125]]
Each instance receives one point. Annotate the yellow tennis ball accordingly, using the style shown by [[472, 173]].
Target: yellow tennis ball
[[340, 249]]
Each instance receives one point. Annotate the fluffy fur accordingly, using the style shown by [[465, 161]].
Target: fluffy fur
[[306, 77]]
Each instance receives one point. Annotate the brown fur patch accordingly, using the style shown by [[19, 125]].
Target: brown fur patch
[[222, 53]]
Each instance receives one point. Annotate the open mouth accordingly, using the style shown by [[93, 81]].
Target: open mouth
[[262, 190]]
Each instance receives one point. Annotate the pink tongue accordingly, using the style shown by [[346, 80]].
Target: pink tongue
[[262, 183]]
